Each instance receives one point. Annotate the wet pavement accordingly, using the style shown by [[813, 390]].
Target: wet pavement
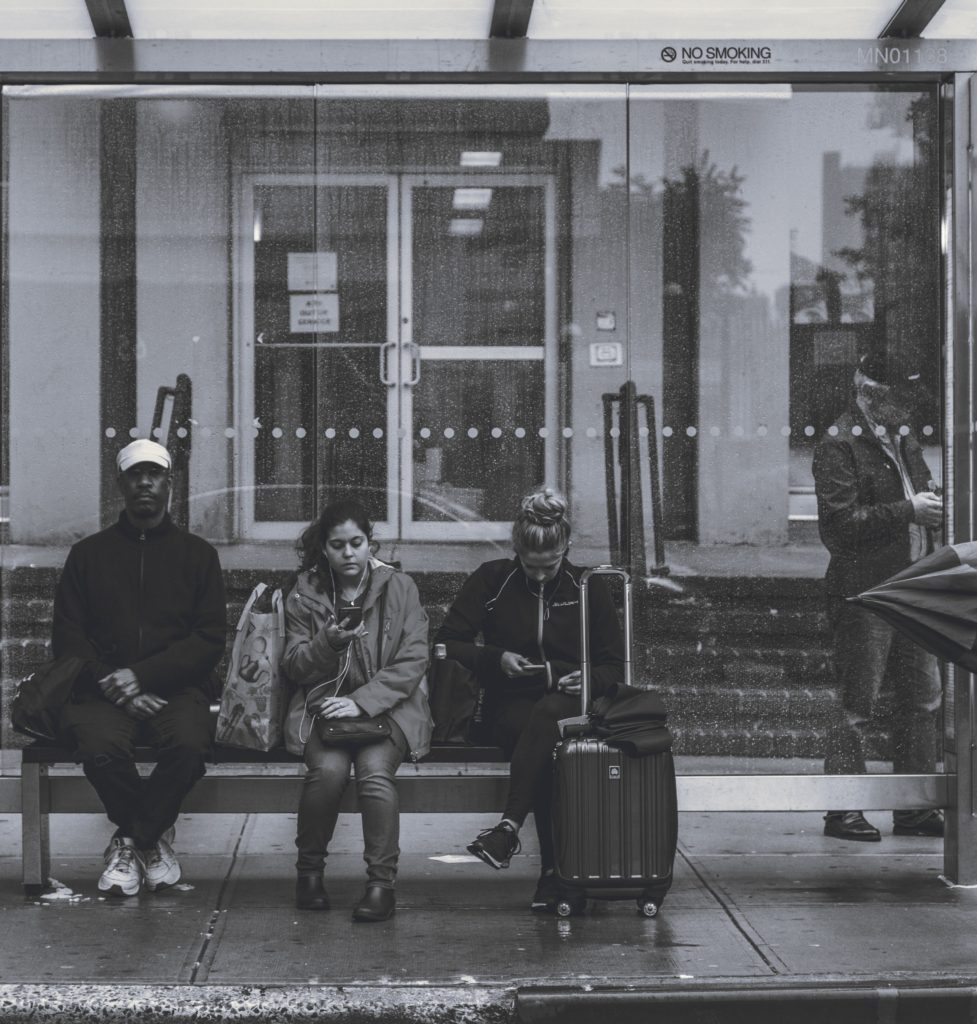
[[767, 919]]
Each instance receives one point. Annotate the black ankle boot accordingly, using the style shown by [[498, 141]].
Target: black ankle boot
[[310, 893], [378, 904]]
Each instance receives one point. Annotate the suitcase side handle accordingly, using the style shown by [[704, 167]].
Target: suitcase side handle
[[585, 576]]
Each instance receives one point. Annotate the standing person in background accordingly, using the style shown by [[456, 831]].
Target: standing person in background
[[527, 611], [878, 512], [357, 625], [143, 604]]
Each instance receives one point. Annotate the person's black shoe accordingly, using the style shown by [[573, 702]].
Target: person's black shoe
[[496, 845], [914, 824], [310, 894], [378, 904], [548, 893], [850, 825]]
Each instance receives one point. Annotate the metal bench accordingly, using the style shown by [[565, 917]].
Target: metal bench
[[468, 779], [451, 779]]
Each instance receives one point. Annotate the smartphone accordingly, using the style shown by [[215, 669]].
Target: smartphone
[[353, 612]]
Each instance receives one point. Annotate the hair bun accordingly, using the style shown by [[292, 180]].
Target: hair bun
[[545, 507]]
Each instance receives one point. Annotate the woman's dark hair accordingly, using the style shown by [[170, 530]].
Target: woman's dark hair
[[313, 539], [542, 523]]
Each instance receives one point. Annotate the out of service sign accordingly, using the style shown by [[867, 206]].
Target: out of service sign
[[317, 313]]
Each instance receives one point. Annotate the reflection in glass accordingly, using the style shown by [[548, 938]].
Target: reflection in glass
[[321, 319], [774, 241], [423, 295], [475, 290]]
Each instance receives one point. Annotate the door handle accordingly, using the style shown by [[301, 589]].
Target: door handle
[[385, 348], [415, 359]]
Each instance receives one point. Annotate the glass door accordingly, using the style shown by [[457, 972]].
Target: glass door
[[401, 348], [478, 403], [317, 386]]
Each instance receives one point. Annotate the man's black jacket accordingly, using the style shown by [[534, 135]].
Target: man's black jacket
[[863, 512], [500, 603], [150, 601]]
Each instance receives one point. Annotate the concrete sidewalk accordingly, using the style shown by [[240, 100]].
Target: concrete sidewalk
[[767, 920]]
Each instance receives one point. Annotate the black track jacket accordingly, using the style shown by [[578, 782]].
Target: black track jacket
[[150, 601], [499, 602]]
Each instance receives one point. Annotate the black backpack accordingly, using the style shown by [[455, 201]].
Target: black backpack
[[41, 695]]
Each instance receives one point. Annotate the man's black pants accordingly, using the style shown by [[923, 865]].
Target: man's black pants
[[103, 737]]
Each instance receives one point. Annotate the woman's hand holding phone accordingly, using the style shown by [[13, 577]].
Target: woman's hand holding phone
[[343, 632], [570, 683], [517, 665]]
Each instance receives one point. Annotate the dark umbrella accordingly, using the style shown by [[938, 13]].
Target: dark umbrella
[[934, 602]]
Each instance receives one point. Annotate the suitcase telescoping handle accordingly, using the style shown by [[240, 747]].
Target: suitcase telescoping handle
[[601, 570]]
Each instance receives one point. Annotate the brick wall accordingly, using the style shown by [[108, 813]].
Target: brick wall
[[741, 663]]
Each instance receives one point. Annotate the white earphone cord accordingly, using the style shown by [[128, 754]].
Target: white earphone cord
[[338, 680]]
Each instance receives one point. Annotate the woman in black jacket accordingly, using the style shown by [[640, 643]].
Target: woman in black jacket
[[527, 612]]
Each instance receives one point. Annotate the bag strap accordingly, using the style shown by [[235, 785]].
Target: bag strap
[[278, 609], [249, 604], [338, 680]]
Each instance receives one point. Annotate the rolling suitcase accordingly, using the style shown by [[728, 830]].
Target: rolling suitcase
[[615, 816]]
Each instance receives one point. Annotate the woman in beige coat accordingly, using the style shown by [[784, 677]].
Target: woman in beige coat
[[357, 644]]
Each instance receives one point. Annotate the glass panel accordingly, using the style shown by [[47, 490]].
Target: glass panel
[[129, 268], [658, 19], [502, 262], [338, 19], [478, 265], [729, 261], [321, 320], [465, 464], [479, 255], [46, 19], [283, 401], [776, 238]]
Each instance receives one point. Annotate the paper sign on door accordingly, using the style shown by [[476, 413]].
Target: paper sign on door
[[312, 272], [314, 314]]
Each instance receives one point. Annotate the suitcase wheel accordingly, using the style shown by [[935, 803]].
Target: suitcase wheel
[[567, 907], [648, 907]]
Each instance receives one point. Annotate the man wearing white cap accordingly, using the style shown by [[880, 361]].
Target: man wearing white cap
[[142, 602]]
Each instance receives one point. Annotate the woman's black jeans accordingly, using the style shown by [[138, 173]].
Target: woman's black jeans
[[526, 728]]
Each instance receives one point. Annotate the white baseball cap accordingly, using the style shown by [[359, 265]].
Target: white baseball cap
[[142, 450]]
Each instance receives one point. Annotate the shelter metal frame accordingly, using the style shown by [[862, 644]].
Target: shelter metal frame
[[122, 62]]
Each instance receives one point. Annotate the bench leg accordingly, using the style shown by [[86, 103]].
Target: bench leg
[[35, 837]]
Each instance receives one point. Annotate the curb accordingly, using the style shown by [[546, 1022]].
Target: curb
[[799, 1003], [256, 1004]]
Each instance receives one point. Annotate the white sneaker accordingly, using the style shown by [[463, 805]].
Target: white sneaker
[[123, 872], [162, 869]]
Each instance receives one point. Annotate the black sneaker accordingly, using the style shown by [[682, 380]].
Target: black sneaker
[[548, 893], [496, 845]]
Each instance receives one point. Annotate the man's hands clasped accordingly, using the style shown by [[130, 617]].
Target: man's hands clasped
[[122, 688]]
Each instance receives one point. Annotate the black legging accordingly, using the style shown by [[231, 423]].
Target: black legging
[[526, 728]]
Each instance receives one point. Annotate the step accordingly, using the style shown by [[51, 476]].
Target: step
[[737, 621], [762, 743], [778, 707]]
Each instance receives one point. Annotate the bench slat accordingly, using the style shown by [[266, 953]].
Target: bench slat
[[40, 753]]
